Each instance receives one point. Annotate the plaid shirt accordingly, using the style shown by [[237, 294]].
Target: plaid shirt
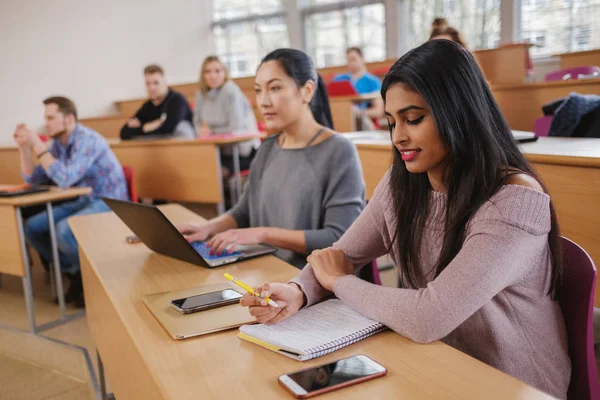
[[86, 161]]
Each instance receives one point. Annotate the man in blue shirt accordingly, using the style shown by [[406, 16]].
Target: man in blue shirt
[[76, 157], [364, 83]]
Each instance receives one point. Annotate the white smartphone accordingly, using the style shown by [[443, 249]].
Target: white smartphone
[[325, 378], [206, 301]]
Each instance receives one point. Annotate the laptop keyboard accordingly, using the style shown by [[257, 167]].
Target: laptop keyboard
[[204, 251]]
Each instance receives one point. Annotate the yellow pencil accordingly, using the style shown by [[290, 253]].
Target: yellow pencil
[[249, 289]]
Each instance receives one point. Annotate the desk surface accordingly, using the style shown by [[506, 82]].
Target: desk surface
[[552, 84], [575, 151], [204, 141], [355, 97], [142, 361], [54, 194]]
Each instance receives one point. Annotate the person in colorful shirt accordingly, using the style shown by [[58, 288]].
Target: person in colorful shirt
[[77, 157], [364, 83]]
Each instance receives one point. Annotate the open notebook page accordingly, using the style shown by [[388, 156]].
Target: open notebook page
[[320, 326]]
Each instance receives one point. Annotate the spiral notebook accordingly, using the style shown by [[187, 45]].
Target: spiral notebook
[[314, 331]]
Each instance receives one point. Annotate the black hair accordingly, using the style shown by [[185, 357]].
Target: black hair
[[482, 151], [298, 66]]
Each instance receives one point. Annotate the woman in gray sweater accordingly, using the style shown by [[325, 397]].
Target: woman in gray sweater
[[221, 107], [306, 186]]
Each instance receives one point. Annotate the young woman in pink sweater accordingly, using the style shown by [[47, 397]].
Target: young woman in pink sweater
[[467, 222]]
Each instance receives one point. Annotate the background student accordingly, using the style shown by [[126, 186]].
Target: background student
[[466, 221], [77, 156], [221, 107], [449, 33], [364, 83], [306, 185], [166, 114]]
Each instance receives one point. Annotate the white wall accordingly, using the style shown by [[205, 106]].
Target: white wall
[[93, 51]]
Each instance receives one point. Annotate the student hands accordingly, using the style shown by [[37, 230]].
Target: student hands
[[152, 125], [133, 123], [236, 237], [328, 265], [194, 232], [204, 131], [23, 136], [288, 297]]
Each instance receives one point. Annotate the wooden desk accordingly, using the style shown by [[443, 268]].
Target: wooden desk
[[579, 59], [108, 126], [143, 362], [505, 64], [522, 104], [14, 259], [570, 169], [9, 165], [176, 170], [341, 110]]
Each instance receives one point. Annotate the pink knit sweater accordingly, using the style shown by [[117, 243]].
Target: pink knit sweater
[[490, 302]]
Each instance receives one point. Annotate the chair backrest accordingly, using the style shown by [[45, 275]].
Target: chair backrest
[[370, 273], [130, 179], [572, 73], [577, 304], [541, 126]]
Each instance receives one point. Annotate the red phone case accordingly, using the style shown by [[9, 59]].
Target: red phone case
[[336, 387]]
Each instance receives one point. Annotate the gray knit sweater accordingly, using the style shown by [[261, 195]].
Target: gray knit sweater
[[318, 189]]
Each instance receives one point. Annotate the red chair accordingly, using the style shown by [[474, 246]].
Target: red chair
[[130, 179], [573, 73], [577, 303]]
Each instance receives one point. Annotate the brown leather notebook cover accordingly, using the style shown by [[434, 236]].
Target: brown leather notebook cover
[[182, 326]]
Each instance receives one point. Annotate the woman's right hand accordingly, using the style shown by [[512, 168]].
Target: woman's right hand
[[195, 232], [288, 297]]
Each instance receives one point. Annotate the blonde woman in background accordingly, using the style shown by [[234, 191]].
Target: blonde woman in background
[[221, 107]]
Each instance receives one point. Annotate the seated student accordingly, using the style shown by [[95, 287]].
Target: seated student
[[166, 114], [449, 34], [439, 23], [77, 156], [305, 186], [364, 83], [468, 224], [221, 107]]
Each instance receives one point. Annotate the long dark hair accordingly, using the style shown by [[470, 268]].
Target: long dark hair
[[482, 152], [298, 66]]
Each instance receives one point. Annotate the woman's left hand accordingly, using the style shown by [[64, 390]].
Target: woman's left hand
[[235, 237], [329, 264]]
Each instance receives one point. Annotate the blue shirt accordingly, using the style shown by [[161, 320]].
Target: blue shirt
[[367, 83], [86, 161]]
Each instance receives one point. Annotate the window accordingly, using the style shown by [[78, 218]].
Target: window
[[246, 30], [536, 37], [477, 20], [569, 25], [331, 30]]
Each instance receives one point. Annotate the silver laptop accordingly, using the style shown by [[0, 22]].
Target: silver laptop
[[153, 228]]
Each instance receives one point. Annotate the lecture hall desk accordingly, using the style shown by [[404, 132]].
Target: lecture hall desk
[[142, 361]]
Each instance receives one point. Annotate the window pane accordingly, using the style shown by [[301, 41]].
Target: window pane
[[560, 26], [242, 45], [477, 20], [329, 34], [241, 8]]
